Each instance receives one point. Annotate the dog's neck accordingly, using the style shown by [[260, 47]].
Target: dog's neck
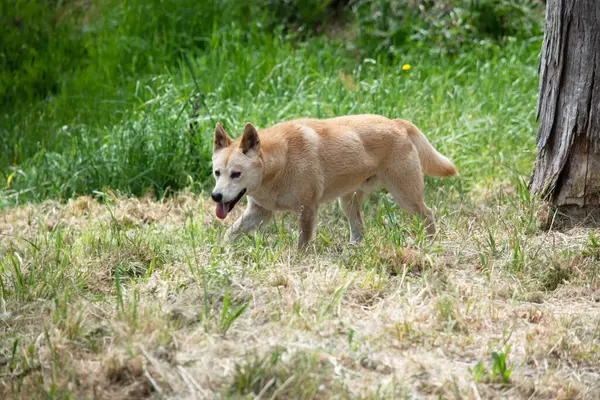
[[272, 168]]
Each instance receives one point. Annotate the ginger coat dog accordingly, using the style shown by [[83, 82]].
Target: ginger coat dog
[[297, 165]]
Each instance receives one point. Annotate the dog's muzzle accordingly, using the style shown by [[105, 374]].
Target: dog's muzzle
[[224, 207]]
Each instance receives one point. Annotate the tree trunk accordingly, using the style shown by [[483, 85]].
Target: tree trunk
[[567, 168]]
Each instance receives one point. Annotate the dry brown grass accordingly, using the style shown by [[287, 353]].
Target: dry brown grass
[[126, 300]]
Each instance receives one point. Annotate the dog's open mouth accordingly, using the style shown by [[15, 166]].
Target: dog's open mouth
[[224, 207]]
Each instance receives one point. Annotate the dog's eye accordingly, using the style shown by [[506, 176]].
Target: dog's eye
[[217, 173], [235, 175]]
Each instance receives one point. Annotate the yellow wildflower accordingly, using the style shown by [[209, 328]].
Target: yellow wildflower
[[405, 67]]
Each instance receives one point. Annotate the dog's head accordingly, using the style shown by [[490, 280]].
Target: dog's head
[[237, 167]]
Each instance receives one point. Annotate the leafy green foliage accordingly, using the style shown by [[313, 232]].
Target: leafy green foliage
[[447, 27], [33, 53]]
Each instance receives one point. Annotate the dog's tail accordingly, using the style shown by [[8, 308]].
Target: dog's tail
[[432, 162]]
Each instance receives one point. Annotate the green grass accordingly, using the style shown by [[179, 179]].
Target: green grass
[[115, 281], [116, 116], [481, 103]]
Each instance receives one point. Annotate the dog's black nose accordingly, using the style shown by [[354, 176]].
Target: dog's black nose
[[217, 197]]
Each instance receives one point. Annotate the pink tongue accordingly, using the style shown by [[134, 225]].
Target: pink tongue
[[222, 210]]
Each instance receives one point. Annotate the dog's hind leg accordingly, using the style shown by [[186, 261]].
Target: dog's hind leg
[[252, 217], [307, 220], [350, 205], [403, 178]]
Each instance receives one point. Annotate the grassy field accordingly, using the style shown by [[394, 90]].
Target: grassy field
[[115, 281]]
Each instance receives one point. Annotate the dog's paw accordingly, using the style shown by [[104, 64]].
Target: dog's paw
[[355, 239], [230, 235]]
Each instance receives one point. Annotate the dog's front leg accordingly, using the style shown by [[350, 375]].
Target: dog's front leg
[[308, 217], [252, 217]]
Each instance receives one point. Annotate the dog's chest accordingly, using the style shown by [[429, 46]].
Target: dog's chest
[[272, 201], [287, 202]]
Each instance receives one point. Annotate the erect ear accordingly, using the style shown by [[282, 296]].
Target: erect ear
[[250, 140], [221, 138]]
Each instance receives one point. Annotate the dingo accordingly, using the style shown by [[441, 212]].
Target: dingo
[[296, 165]]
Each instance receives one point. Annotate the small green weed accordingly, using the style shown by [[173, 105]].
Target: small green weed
[[498, 370], [592, 247], [229, 315], [478, 372], [499, 366]]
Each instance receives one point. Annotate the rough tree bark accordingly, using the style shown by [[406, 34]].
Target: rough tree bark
[[567, 168]]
